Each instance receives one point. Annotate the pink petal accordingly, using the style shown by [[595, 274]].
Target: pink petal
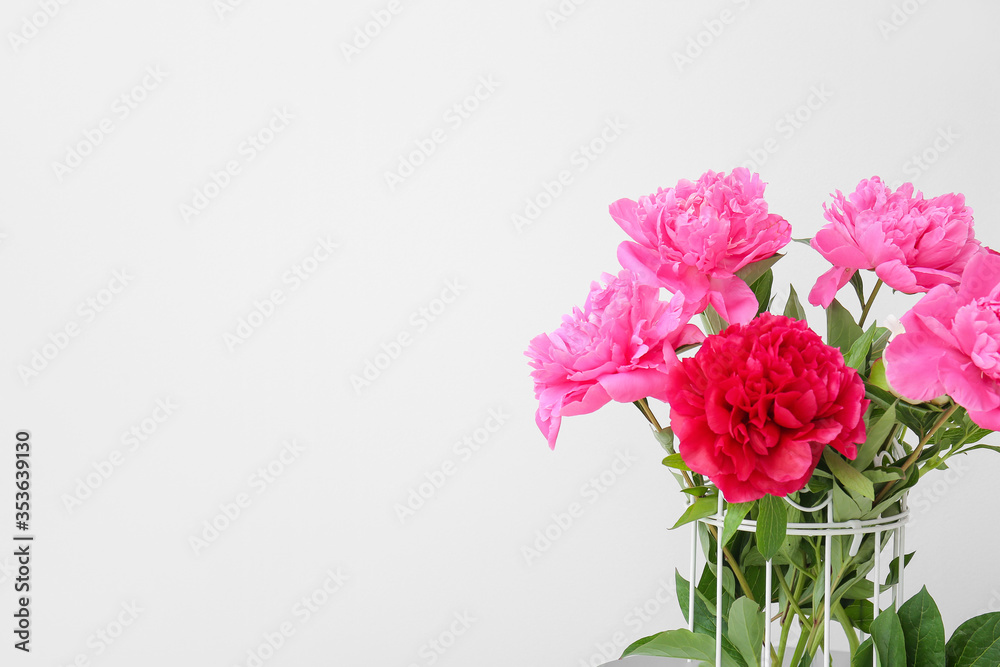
[[635, 384], [906, 366], [827, 285]]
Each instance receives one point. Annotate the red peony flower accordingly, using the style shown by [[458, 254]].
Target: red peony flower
[[755, 407]]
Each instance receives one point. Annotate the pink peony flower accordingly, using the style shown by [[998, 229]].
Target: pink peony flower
[[952, 344], [755, 407], [694, 237], [618, 348], [913, 244]]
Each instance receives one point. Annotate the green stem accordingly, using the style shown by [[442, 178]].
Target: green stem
[[793, 597], [643, 406], [786, 624], [852, 636], [816, 636], [868, 305], [945, 416], [800, 646]]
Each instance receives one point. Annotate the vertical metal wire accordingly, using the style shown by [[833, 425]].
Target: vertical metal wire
[[843, 529], [718, 586], [897, 557], [902, 551], [765, 658], [877, 600], [691, 574], [827, 575]]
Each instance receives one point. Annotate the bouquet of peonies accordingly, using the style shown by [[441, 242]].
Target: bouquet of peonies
[[769, 420]]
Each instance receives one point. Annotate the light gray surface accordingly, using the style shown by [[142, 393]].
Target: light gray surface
[[839, 660], [817, 94]]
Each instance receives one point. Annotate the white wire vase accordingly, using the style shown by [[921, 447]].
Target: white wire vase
[[888, 531]]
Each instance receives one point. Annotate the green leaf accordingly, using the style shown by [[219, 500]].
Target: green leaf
[[756, 577], [751, 272], [697, 491], [992, 448], [793, 308], [912, 477], [675, 461], [923, 630], [703, 507], [889, 641], [966, 431], [863, 657], [746, 629], [666, 439], [772, 521], [876, 436], [841, 329], [876, 375], [917, 418], [713, 321], [704, 611], [857, 356], [847, 507], [807, 242], [630, 649], [735, 514], [762, 290], [861, 589], [893, 576], [704, 615], [882, 336], [680, 644], [976, 643], [853, 481], [859, 287], [861, 613], [883, 475]]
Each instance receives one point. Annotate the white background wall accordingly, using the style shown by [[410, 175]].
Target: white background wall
[[881, 92]]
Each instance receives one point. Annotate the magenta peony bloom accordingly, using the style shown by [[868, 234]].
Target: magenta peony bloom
[[755, 407], [617, 349], [694, 237], [952, 344], [913, 244]]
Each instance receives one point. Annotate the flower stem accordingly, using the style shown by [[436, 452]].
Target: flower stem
[[793, 597], [643, 406], [868, 305], [799, 580], [800, 646], [852, 636], [945, 416], [744, 584], [816, 636]]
